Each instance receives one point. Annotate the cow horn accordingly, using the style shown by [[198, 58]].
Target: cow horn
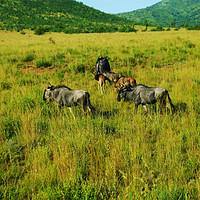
[[93, 71], [48, 84]]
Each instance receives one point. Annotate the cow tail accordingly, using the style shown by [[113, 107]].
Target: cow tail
[[170, 101], [88, 102]]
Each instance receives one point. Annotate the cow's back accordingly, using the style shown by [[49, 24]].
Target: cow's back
[[149, 94], [160, 92], [72, 97]]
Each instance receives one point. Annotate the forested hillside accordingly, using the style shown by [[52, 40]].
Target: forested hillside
[[168, 12], [58, 15]]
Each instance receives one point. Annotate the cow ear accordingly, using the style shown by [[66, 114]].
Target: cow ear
[[48, 84], [94, 71]]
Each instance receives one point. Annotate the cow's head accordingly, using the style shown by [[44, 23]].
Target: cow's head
[[47, 92], [121, 94]]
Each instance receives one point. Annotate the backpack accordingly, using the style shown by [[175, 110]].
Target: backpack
[[102, 65]]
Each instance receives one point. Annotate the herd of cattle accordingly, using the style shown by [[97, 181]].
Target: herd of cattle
[[126, 87]]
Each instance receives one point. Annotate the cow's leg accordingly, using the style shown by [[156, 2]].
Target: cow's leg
[[98, 85], [70, 109], [84, 110], [169, 106], [90, 111], [145, 108], [136, 107], [101, 86], [162, 103], [59, 106], [83, 106]]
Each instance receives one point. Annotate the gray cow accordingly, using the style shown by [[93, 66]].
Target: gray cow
[[64, 96], [141, 94]]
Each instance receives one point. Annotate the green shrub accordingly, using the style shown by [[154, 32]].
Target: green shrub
[[189, 44], [10, 126], [42, 126], [43, 63], [28, 58], [12, 151], [5, 85], [77, 68], [73, 51], [80, 69], [23, 32], [197, 27], [40, 30], [60, 75], [153, 29], [27, 103], [158, 28]]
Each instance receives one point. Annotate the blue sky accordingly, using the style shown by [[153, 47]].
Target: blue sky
[[117, 6]]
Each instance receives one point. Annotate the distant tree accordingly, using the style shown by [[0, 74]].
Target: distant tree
[[159, 28], [146, 24], [172, 23], [197, 27], [122, 29], [40, 31], [133, 29]]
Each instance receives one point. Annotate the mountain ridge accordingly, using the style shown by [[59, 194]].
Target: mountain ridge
[[181, 12], [58, 15]]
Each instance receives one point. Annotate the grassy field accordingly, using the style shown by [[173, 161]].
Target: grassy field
[[116, 154]]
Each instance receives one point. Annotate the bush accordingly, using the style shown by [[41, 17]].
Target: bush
[[5, 85], [80, 69], [189, 44], [40, 30], [43, 63], [153, 29], [23, 32], [11, 149], [27, 104], [158, 28], [10, 126], [28, 58], [197, 27], [42, 126]]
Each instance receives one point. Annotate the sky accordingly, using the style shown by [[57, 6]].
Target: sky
[[118, 6]]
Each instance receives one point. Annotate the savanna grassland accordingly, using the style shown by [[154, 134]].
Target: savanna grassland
[[116, 154]]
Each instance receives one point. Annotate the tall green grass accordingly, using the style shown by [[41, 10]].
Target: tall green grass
[[116, 154]]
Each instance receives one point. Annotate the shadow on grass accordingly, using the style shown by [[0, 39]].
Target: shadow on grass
[[180, 107], [108, 114]]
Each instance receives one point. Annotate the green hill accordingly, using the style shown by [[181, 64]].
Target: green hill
[[180, 12], [59, 15]]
